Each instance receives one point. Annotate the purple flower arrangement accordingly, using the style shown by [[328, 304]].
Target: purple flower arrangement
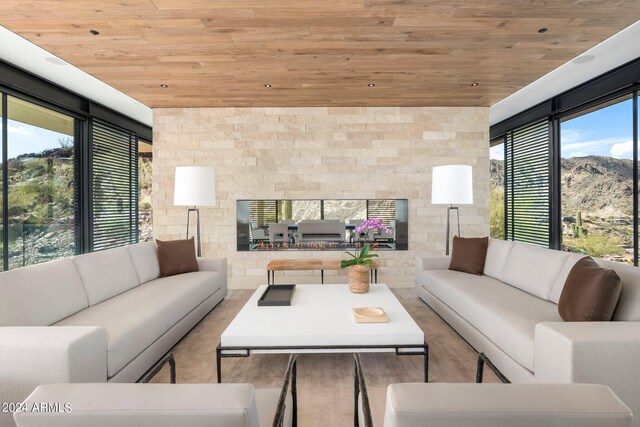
[[373, 224]]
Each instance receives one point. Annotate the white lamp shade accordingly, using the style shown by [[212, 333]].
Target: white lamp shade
[[194, 186], [452, 185]]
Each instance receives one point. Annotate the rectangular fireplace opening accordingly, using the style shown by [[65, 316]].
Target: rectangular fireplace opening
[[320, 225]]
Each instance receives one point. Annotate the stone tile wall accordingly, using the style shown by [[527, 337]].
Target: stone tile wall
[[330, 153]]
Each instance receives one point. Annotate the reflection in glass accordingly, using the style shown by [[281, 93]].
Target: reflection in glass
[[345, 210], [41, 202], [597, 182], [319, 224], [304, 210]]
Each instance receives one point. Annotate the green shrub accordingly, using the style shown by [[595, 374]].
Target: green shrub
[[597, 245], [496, 212]]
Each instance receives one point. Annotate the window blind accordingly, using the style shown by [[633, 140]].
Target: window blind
[[114, 186], [527, 188], [262, 212], [383, 209]]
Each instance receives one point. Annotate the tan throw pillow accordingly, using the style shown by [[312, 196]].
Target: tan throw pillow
[[176, 257], [590, 293], [468, 254]]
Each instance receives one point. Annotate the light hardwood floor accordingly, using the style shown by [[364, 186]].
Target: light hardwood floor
[[325, 382]]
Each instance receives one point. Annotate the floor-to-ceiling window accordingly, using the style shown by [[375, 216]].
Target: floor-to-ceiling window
[[496, 189], [41, 202], [68, 173], [596, 176], [578, 180]]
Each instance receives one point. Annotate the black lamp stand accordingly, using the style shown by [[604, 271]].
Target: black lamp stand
[[449, 209], [198, 245]]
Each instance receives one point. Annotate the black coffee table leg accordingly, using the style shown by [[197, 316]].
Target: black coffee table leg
[[219, 363], [426, 362]]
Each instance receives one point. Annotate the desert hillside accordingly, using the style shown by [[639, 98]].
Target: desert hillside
[[595, 185]]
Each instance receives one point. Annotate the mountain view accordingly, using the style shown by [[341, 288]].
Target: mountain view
[[597, 205], [41, 206], [41, 200]]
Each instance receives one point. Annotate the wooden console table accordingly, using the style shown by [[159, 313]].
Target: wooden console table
[[310, 264]]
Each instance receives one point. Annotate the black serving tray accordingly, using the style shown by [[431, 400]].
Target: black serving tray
[[277, 295]]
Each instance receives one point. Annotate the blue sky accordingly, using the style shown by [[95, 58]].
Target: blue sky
[[25, 138], [605, 132]]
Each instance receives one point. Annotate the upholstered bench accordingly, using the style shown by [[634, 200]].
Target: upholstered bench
[[161, 405], [488, 405]]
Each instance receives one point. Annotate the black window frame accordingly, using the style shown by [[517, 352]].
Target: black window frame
[[619, 82], [27, 86]]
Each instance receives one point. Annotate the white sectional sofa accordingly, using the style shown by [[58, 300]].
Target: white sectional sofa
[[510, 313], [104, 316]]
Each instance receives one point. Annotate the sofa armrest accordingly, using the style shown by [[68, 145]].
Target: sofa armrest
[[218, 265], [591, 352], [430, 262], [30, 356]]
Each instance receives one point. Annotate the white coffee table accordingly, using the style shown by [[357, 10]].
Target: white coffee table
[[320, 320]]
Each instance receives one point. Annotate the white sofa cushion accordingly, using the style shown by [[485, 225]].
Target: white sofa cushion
[[533, 269], [504, 314], [41, 295], [135, 319], [628, 308], [558, 284], [497, 253], [106, 274], [145, 260], [145, 405]]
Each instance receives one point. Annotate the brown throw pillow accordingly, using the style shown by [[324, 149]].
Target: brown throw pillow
[[468, 254], [176, 257], [590, 293]]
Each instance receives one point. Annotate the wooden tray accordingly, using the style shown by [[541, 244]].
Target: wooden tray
[[277, 295], [370, 315]]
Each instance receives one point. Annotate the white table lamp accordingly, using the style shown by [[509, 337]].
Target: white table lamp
[[194, 186], [452, 184]]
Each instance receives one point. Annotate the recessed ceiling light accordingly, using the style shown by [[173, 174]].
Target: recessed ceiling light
[[474, 84], [164, 85], [543, 30], [94, 32], [583, 59], [55, 60], [268, 85], [371, 84]]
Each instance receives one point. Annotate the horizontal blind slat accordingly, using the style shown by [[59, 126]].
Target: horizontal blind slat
[[114, 187], [527, 183]]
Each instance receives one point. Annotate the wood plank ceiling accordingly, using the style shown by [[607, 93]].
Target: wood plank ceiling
[[317, 52]]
